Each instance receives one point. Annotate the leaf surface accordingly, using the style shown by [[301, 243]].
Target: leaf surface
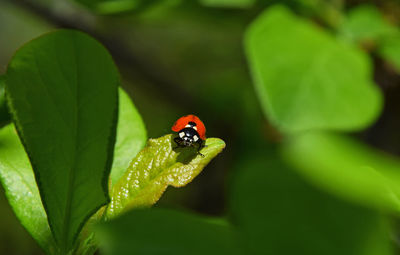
[[131, 136], [347, 168], [22, 193], [278, 212], [156, 167], [306, 79], [162, 231], [62, 92]]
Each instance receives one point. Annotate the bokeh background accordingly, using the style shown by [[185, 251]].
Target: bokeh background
[[181, 57]]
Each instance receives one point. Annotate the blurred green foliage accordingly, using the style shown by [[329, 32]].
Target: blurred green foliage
[[296, 183], [365, 23], [318, 83], [347, 168], [114, 6], [278, 213], [163, 231], [4, 114], [228, 3], [390, 50], [367, 26]]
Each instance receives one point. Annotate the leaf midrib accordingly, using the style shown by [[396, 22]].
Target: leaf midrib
[[71, 179], [152, 178], [125, 202], [65, 230]]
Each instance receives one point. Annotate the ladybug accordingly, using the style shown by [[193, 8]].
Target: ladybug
[[191, 131]]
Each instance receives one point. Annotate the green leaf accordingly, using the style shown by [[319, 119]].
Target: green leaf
[[161, 231], [131, 136], [390, 50], [279, 213], [156, 167], [62, 92], [107, 7], [305, 79], [18, 180], [228, 3], [19, 183], [4, 114], [347, 168], [365, 23]]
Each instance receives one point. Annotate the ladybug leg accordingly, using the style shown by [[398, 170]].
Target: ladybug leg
[[201, 154], [178, 141], [201, 146]]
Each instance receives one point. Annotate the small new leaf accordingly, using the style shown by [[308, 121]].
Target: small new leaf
[[18, 181], [131, 136], [156, 167]]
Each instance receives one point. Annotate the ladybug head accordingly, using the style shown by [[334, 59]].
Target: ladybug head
[[188, 136], [191, 124], [187, 141]]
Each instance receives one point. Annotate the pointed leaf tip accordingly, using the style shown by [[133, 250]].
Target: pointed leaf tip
[[156, 167]]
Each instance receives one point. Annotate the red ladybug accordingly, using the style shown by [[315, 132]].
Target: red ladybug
[[191, 131]]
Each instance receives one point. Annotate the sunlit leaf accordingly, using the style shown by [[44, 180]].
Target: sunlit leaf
[[22, 193], [62, 92], [18, 180], [131, 136], [306, 79], [156, 167], [161, 231], [347, 168]]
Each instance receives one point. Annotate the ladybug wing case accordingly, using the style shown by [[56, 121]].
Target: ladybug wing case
[[183, 121]]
